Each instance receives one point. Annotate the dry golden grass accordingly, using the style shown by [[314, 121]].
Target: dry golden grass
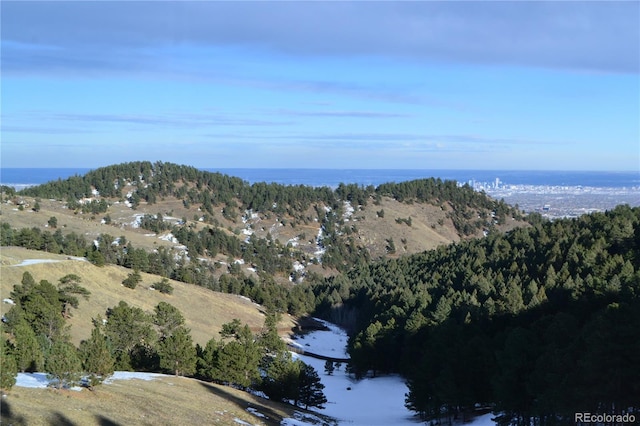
[[166, 400], [430, 227], [204, 310]]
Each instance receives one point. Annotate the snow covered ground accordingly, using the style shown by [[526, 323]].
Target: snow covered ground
[[371, 401], [40, 380], [28, 262], [367, 402]]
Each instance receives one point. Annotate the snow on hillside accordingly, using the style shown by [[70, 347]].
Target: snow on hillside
[[366, 402], [40, 380], [28, 262]]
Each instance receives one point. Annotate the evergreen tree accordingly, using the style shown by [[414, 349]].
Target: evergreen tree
[[328, 367], [163, 286], [62, 364], [239, 359], [96, 357], [67, 289], [310, 388], [132, 280], [8, 366], [269, 339], [167, 318], [131, 336], [281, 378], [207, 364], [177, 353], [28, 354], [43, 311]]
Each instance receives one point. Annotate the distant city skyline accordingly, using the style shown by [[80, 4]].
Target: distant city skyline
[[353, 85]]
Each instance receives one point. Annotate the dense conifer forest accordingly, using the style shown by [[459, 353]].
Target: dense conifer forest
[[536, 324], [542, 322]]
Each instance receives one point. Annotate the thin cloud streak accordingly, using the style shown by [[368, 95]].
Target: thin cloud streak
[[341, 114], [170, 119], [365, 142]]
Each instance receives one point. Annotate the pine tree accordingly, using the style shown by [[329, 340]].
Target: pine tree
[[128, 328], [62, 364], [208, 360], [97, 360], [269, 340], [168, 318], [239, 360], [67, 289], [328, 367], [8, 367], [27, 353], [281, 378], [177, 353], [310, 388]]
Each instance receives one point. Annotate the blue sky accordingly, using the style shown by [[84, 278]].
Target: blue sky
[[427, 85]]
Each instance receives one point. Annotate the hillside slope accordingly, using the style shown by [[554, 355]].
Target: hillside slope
[[204, 310], [324, 229], [166, 400]]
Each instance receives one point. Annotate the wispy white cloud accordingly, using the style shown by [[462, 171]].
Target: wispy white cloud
[[339, 114], [181, 120]]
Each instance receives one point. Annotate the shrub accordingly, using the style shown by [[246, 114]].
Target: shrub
[[132, 280], [163, 286]]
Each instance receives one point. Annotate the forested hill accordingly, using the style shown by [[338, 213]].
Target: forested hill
[[538, 323], [346, 224]]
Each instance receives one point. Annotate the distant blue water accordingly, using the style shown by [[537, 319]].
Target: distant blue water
[[333, 177]]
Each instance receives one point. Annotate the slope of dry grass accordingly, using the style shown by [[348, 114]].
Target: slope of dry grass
[[205, 311], [166, 400]]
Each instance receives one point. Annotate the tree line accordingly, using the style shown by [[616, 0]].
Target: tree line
[[535, 323], [138, 181], [35, 338]]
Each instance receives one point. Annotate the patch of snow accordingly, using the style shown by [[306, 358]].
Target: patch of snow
[[247, 231], [348, 210], [302, 419], [241, 422], [137, 218], [37, 381], [9, 301], [149, 235], [169, 237], [32, 380], [251, 269], [371, 401], [256, 413], [128, 375], [297, 266], [28, 262], [320, 250], [239, 261], [294, 241]]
